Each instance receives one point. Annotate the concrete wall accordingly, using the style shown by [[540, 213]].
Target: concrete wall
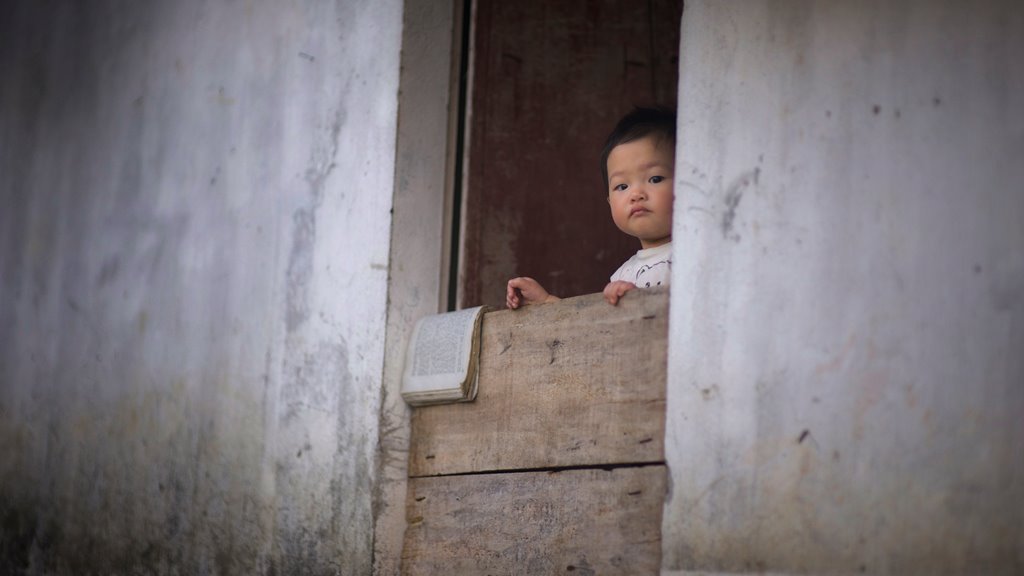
[[193, 267], [846, 382]]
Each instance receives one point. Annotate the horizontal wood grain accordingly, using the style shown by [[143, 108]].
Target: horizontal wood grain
[[588, 521], [577, 382]]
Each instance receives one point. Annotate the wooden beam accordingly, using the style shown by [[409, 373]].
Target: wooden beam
[[578, 382], [575, 522]]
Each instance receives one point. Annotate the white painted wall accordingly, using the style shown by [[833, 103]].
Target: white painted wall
[[846, 383], [194, 241]]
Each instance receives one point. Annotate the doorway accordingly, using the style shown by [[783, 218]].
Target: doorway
[[570, 70], [548, 82]]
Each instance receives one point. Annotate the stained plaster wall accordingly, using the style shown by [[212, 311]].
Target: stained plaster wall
[[846, 371], [193, 268]]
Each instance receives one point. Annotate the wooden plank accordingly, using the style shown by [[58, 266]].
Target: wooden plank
[[572, 383], [576, 521]]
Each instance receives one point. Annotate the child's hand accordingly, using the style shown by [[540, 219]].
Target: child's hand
[[526, 291], [615, 290]]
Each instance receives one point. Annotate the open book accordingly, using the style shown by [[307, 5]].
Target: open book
[[441, 362]]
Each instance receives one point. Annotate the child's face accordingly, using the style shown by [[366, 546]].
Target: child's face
[[640, 176]]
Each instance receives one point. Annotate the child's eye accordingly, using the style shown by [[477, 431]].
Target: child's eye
[[656, 179], [619, 187]]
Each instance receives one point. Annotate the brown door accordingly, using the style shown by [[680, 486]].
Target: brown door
[[550, 79]]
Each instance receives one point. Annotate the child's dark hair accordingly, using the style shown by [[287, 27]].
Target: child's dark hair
[[639, 123]]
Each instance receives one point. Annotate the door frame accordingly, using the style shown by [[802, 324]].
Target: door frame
[[427, 166]]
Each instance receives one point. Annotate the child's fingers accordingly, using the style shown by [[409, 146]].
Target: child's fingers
[[615, 290], [523, 290], [621, 290], [521, 283], [511, 294], [610, 295], [613, 298]]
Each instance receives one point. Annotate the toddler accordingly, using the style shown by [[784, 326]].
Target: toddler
[[638, 165]]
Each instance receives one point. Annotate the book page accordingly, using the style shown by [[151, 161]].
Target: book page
[[441, 343]]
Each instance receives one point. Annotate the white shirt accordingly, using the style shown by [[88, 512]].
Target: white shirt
[[647, 268]]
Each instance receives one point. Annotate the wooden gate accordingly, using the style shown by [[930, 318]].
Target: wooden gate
[[558, 466]]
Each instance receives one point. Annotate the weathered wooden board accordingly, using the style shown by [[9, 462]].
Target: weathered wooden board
[[574, 521], [578, 382]]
